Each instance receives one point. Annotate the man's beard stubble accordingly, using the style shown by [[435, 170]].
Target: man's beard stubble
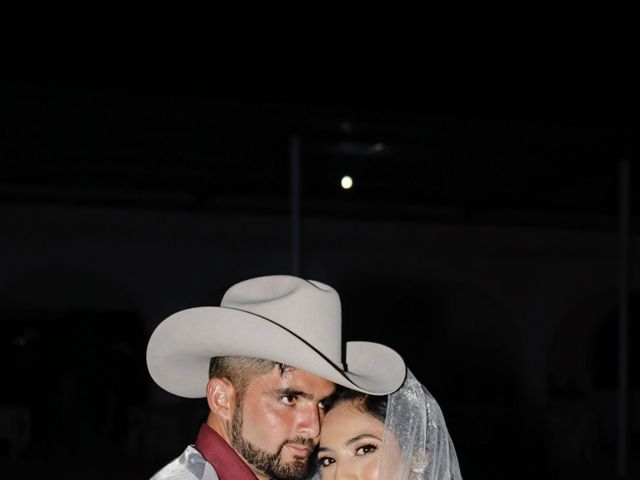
[[271, 464]]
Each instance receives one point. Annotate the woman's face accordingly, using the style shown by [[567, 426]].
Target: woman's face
[[350, 444]]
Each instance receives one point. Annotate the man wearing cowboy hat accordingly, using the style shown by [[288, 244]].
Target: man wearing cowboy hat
[[266, 360]]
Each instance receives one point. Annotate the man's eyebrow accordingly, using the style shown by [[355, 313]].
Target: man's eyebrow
[[286, 392]]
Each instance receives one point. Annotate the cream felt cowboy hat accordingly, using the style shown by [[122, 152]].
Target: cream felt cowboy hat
[[280, 318]]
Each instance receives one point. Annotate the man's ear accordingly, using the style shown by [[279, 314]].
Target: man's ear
[[221, 397]]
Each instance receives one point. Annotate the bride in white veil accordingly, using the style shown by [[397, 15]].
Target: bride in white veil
[[402, 436]]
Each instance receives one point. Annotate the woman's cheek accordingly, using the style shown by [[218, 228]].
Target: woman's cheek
[[371, 469]]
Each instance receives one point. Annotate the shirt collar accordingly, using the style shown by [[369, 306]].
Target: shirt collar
[[223, 458]]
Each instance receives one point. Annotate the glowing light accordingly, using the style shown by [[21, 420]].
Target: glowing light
[[346, 182]]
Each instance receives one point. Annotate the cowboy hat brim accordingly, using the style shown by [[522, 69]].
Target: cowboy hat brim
[[181, 347]]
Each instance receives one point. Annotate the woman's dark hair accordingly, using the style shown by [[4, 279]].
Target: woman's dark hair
[[374, 405]]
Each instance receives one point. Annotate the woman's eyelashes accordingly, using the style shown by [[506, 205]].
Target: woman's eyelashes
[[326, 461], [359, 451], [366, 449]]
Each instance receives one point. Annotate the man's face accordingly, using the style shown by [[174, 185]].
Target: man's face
[[276, 424]]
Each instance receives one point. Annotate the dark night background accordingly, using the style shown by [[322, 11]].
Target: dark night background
[[146, 167]]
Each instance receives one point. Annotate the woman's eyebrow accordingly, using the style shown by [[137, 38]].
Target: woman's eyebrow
[[352, 441], [360, 437]]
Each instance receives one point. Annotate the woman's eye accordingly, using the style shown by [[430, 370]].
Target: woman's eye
[[365, 449], [325, 461]]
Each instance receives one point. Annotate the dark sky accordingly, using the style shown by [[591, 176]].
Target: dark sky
[[544, 64], [501, 91]]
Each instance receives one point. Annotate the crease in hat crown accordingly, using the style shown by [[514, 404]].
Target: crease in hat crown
[[307, 308]]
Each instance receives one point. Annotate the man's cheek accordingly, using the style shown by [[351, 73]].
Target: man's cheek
[[276, 419]]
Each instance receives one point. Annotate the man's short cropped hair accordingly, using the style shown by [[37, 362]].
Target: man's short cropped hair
[[240, 370]]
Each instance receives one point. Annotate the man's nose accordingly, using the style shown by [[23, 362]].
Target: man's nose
[[309, 421]]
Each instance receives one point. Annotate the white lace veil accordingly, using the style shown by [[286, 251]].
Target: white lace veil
[[415, 424], [415, 428]]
